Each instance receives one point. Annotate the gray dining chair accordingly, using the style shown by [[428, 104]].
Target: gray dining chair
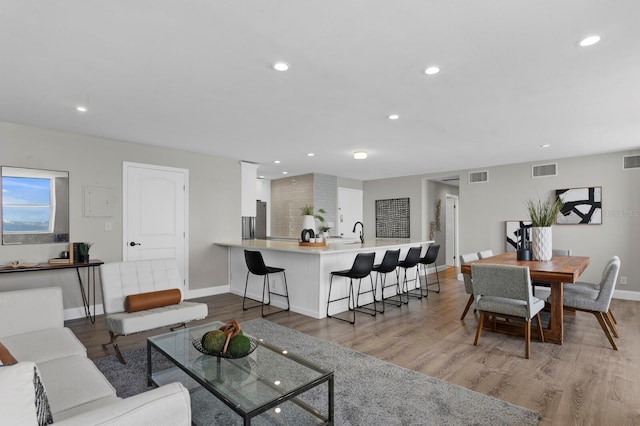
[[468, 285], [505, 291], [485, 253], [596, 298]]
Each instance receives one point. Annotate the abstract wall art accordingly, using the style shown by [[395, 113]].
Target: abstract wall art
[[392, 218], [581, 206], [514, 233]]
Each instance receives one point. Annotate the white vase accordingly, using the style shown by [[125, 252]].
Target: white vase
[[541, 243], [309, 222]]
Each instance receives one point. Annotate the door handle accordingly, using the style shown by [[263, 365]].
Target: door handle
[[133, 244]]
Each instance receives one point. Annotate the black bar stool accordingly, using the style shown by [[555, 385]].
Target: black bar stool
[[389, 264], [256, 266], [430, 258], [411, 261], [362, 266]]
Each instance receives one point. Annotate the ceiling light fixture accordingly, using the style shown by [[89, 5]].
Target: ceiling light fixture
[[359, 155], [589, 41], [311, 154], [432, 70], [546, 145], [81, 108], [394, 117], [281, 66], [277, 161], [285, 173]]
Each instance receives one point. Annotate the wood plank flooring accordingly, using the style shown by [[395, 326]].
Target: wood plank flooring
[[582, 382]]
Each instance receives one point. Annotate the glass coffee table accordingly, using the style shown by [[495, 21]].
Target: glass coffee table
[[268, 386]]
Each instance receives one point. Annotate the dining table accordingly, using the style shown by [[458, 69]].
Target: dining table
[[558, 272]]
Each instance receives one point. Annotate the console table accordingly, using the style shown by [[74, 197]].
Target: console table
[[90, 281]]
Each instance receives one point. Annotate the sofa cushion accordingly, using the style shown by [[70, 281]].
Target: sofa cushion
[[17, 394], [168, 405], [44, 345], [32, 309], [72, 381], [6, 358], [128, 323], [153, 299]]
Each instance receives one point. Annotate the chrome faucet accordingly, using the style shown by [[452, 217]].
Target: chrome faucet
[[361, 231]]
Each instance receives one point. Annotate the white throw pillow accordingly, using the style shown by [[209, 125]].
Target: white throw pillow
[[17, 396]]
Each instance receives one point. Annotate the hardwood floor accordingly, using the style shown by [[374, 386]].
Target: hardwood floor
[[581, 382]]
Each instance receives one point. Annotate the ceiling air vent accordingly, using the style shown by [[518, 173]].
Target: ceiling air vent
[[631, 162], [542, 170], [477, 177]]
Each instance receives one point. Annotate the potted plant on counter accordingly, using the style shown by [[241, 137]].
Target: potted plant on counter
[[309, 219], [543, 214]]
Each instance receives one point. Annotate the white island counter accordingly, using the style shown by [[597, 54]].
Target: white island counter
[[308, 270]]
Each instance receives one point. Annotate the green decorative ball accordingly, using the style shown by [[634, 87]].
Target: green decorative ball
[[239, 346], [213, 341]]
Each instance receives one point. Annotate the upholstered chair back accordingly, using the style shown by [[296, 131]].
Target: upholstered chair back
[[120, 279]]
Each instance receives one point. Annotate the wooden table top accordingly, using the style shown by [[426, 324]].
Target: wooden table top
[[563, 269]]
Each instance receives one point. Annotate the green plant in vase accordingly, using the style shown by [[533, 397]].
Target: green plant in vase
[[309, 219], [83, 249], [543, 214]]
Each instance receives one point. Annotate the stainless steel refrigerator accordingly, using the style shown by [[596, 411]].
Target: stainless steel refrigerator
[[256, 227]]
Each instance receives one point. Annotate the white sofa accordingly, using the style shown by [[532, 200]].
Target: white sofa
[[122, 279], [32, 329]]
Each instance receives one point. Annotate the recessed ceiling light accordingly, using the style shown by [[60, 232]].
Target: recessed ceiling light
[[589, 41], [311, 154], [432, 70], [394, 117], [261, 177], [281, 66], [81, 108], [359, 155], [546, 145], [285, 173], [277, 161]]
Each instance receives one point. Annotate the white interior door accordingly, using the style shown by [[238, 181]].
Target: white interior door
[[451, 230], [349, 212], [155, 214]]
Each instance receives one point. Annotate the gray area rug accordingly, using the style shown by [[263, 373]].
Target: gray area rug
[[367, 390]]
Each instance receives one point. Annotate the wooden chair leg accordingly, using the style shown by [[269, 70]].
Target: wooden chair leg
[[466, 308], [527, 339], [480, 321], [612, 317], [603, 324], [610, 323], [540, 327]]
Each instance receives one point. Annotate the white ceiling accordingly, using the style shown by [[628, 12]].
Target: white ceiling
[[196, 75]]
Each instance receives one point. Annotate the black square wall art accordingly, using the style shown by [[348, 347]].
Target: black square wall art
[[392, 218], [582, 206]]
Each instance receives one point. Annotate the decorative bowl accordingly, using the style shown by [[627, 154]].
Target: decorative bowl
[[197, 343]]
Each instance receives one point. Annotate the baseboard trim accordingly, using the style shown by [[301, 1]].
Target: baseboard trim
[[627, 295], [77, 313], [208, 291]]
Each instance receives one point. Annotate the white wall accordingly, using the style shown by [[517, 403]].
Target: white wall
[[214, 203], [485, 207]]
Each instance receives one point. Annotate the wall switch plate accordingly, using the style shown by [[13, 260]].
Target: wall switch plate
[[623, 280], [108, 226]]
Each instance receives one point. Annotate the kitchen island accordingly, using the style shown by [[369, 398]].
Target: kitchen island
[[308, 270]]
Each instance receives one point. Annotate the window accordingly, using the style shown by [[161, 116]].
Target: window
[[35, 206], [27, 205]]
